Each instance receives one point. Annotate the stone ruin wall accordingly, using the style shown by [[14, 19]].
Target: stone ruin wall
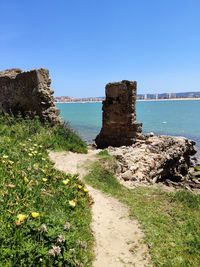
[[119, 115], [28, 93]]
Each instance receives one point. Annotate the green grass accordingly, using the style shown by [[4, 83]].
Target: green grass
[[59, 137], [197, 168], [171, 221], [41, 207]]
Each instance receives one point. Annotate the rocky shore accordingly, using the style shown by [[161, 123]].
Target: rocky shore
[[154, 159]]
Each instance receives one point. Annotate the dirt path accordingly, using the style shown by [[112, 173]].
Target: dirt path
[[119, 240]]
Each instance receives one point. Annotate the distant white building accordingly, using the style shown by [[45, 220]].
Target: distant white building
[[172, 95]]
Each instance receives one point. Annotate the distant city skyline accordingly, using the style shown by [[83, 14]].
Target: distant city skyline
[[180, 95], [153, 93], [86, 44]]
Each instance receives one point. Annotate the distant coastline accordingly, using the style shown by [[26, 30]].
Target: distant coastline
[[140, 97], [139, 100]]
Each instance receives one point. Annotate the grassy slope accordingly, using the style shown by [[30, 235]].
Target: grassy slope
[[29, 183], [171, 222]]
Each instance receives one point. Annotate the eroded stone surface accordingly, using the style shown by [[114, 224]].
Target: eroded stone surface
[[28, 93], [154, 159], [119, 115]]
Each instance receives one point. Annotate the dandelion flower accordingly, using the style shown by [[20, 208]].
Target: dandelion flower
[[35, 214], [72, 203], [65, 182]]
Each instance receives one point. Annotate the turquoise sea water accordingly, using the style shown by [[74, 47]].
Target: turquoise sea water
[[180, 118]]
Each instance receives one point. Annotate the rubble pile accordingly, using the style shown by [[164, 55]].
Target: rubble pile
[[154, 159]]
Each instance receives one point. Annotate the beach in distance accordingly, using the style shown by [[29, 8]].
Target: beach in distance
[[178, 118], [138, 100]]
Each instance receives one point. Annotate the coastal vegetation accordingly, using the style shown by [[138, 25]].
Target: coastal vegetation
[[44, 213], [170, 221]]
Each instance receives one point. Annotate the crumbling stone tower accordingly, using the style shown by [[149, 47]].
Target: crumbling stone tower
[[119, 116]]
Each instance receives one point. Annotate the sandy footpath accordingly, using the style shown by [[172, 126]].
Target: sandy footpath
[[119, 240]]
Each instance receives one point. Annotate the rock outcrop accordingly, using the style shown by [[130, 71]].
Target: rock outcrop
[[155, 159], [119, 116], [28, 93]]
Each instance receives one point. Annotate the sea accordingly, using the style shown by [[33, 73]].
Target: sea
[[167, 117]]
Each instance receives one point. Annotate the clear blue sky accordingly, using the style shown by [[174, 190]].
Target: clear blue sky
[[87, 43]]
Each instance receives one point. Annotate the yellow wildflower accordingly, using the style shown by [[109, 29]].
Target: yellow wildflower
[[44, 179], [79, 186], [35, 214], [72, 203], [85, 190], [21, 218], [65, 182]]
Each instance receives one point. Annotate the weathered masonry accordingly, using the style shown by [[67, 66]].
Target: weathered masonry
[[28, 93], [119, 116]]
